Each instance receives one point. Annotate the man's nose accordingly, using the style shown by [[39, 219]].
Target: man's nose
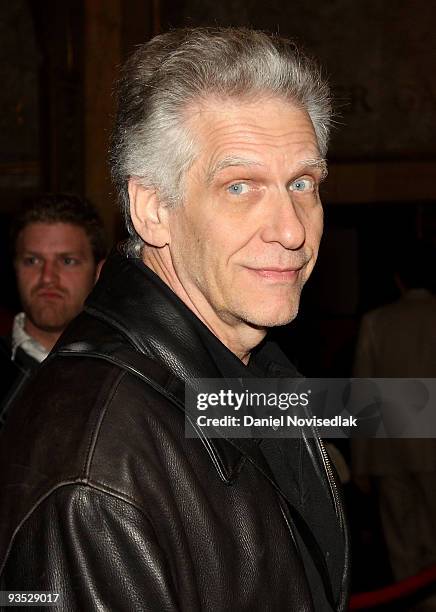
[[49, 272], [284, 225]]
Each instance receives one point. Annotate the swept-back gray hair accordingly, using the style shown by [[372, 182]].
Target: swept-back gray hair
[[175, 70]]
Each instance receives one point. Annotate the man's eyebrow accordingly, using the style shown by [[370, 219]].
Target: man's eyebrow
[[227, 162], [27, 252], [317, 162], [233, 160]]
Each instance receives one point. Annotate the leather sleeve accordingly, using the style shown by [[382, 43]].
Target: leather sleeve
[[96, 550]]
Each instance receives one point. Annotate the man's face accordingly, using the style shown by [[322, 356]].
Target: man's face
[[55, 271], [246, 238]]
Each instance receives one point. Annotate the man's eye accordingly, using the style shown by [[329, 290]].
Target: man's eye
[[30, 261], [302, 184], [238, 188], [69, 261]]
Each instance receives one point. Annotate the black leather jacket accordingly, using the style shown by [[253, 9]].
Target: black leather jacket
[[105, 501]]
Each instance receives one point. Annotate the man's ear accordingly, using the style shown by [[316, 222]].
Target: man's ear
[[98, 268], [148, 214]]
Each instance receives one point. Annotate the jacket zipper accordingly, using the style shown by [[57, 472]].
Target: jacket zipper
[[337, 503], [331, 479]]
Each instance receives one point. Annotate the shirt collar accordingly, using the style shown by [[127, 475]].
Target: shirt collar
[[21, 339]]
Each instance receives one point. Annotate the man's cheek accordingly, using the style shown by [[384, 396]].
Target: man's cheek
[[25, 283]]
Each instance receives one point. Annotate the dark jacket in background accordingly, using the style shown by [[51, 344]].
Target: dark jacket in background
[[106, 502], [13, 374]]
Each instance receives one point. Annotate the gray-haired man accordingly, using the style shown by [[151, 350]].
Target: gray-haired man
[[218, 154]]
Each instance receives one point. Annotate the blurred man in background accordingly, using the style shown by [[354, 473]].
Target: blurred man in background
[[58, 248], [398, 340]]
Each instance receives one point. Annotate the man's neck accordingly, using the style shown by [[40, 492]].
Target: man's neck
[[47, 339], [238, 336], [239, 341]]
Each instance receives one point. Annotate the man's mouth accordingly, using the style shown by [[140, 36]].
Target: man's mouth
[[49, 294], [276, 273]]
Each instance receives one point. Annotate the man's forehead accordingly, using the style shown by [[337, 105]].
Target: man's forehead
[[57, 236], [245, 132], [210, 112]]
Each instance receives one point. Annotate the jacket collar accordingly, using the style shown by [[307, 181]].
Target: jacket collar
[[137, 302]]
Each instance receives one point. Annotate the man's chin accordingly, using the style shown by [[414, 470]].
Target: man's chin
[[50, 323], [266, 319]]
